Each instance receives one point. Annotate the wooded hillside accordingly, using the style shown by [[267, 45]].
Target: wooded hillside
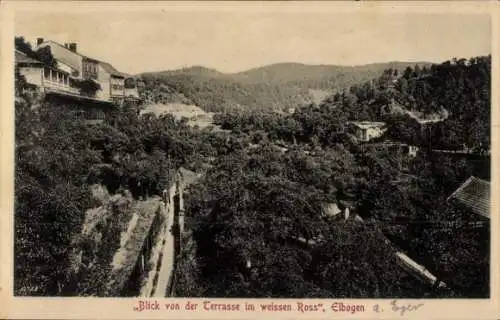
[[274, 87], [259, 221], [270, 189]]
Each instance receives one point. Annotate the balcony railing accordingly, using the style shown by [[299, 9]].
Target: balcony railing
[[58, 86], [55, 81], [67, 90]]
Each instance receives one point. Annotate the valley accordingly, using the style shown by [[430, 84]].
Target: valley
[[285, 181]]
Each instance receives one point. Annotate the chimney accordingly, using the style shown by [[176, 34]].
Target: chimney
[[72, 46], [39, 41]]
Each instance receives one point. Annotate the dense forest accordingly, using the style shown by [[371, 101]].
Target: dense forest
[[254, 201], [456, 91], [267, 183], [274, 87]]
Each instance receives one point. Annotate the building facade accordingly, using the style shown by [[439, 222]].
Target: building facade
[[73, 68]]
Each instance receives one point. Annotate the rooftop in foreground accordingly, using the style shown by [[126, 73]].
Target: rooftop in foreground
[[473, 195]]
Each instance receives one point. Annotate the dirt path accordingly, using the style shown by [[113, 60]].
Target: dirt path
[[167, 260]]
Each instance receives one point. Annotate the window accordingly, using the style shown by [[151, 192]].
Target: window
[[130, 83], [46, 73], [90, 70]]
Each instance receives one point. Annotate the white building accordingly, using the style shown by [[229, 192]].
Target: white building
[[367, 130], [77, 66]]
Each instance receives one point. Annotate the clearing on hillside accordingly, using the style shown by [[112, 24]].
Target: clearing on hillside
[[195, 114]]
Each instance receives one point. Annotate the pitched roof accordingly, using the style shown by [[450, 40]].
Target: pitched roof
[[111, 70], [21, 57], [473, 194], [368, 124], [62, 46], [65, 56], [106, 66]]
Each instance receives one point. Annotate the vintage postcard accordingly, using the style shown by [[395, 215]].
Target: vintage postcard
[[226, 160]]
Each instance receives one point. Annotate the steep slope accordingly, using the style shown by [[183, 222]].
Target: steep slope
[[454, 96]]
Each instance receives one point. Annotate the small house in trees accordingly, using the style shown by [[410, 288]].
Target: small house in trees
[[410, 150], [331, 209], [367, 130], [473, 196]]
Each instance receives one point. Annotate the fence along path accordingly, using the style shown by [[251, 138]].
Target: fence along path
[[168, 251], [160, 280]]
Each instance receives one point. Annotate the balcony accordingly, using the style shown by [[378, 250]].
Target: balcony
[[57, 81], [54, 86], [117, 90], [60, 83]]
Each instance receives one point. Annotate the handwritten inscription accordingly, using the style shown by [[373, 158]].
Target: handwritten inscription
[[398, 307], [405, 308]]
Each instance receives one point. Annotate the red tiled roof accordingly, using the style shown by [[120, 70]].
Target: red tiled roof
[[474, 195]]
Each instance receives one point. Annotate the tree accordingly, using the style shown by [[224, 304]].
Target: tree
[[43, 54], [408, 73], [416, 71]]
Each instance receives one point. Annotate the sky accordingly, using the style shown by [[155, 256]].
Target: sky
[[232, 41]]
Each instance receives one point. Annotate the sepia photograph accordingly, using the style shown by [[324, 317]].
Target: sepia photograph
[[251, 154]]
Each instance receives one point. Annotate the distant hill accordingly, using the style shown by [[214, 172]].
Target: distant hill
[[317, 76], [274, 87], [197, 71]]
